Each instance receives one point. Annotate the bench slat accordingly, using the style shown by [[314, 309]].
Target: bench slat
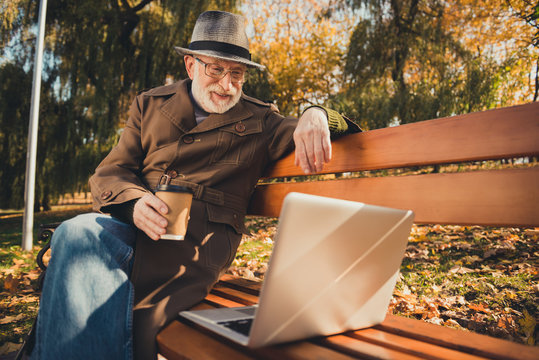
[[178, 338], [420, 348], [472, 343], [181, 341], [300, 351], [244, 285], [509, 132], [365, 350], [218, 301], [495, 197], [234, 295]]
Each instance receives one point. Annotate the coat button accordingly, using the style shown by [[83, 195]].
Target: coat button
[[105, 195], [240, 127], [188, 140]]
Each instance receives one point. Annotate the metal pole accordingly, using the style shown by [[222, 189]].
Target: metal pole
[[30, 181]]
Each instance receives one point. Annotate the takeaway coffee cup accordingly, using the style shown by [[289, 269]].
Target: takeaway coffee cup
[[178, 200]]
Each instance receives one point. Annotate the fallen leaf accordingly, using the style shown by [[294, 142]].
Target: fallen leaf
[[248, 274], [528, 324], [468, 260], [10, 319], [32, 274], [452, 323], [457, 269], [479, 307], [11, 283], [507, 322], [9, 348], [435, 320], [18, 263]]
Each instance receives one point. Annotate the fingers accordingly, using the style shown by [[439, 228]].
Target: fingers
[[313, 143], [321, 151], [301, 159], [147, 216], [327, 149], [311, 153]]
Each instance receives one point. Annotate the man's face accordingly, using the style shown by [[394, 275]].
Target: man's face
[[212, 94]]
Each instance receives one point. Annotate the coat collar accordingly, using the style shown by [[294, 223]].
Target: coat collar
[[179, 110], [237, 113]]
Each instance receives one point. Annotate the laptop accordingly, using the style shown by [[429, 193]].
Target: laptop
[[333, 268]]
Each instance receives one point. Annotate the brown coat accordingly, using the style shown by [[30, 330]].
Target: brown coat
[[221, 159]]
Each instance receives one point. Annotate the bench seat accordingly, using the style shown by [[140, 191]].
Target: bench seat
[[396, 338]]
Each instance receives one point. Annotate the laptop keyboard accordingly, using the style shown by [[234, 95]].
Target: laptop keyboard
[[243, 326]]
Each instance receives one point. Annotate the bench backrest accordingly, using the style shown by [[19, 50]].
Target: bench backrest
[[503, 196]]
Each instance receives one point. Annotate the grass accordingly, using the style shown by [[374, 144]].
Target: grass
[[19, 300], [471, 278]]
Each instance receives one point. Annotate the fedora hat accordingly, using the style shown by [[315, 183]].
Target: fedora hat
[[220, 35]]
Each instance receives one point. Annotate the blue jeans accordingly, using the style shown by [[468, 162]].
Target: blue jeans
[[87, 300]]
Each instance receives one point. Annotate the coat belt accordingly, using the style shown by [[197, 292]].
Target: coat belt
[[209, 195]]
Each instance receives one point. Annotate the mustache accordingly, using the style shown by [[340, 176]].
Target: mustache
[[219, 89]]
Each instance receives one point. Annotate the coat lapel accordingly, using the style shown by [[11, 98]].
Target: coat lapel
[[179, 109], [237, 113]]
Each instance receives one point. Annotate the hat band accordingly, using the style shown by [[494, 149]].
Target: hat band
[[222, 47]]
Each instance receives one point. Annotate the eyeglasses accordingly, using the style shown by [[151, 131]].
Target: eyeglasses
[[218, 72]]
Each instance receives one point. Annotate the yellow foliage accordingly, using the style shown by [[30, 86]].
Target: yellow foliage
[[304, 52], [9, 11], [493, 28]]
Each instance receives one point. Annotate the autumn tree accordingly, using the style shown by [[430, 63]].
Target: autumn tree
[[413, 60], [302, 49], [98, 54], [505, 31], [528, 11]]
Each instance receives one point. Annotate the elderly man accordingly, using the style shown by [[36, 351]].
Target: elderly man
[[112, 283]]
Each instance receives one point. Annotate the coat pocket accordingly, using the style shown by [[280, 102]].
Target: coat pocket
[[219, 250], [236, 143], [224, 215], [222, 241]]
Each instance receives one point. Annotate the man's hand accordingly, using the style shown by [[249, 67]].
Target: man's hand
[[147, 216], [312, 139]]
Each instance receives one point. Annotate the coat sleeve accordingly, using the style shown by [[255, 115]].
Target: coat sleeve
[[116, 179], [281, 134], [282, 130]]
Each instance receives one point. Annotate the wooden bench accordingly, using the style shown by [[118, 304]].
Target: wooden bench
[[501, 197]]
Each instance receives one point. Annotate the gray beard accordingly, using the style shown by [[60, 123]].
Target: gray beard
[[203, 96]]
